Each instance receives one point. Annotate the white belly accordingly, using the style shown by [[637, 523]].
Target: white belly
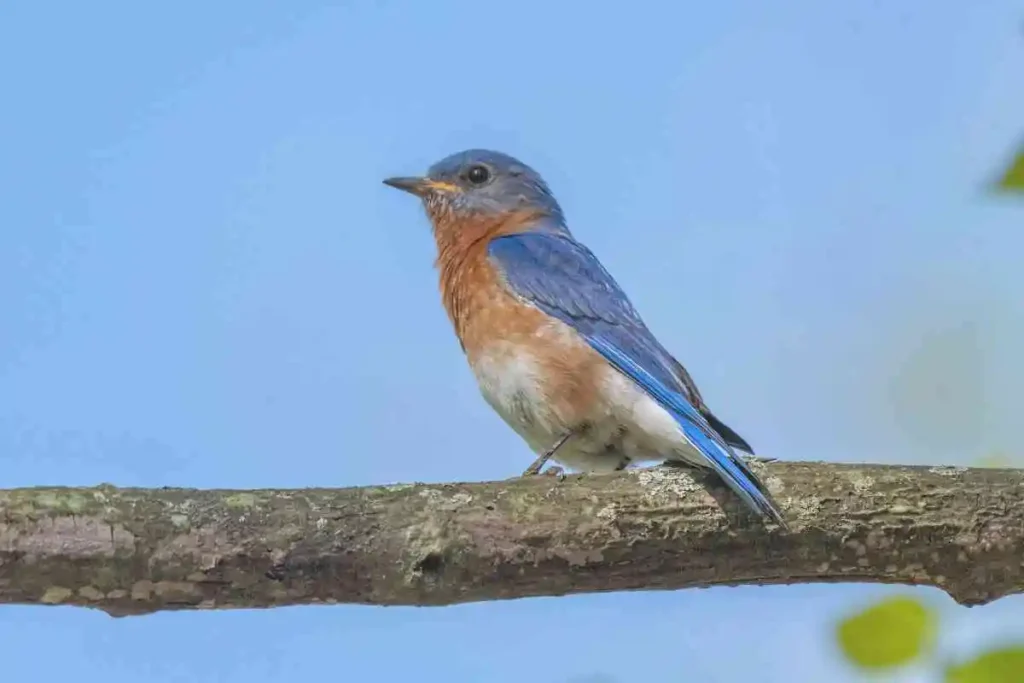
[[623, 424], [509, 380]]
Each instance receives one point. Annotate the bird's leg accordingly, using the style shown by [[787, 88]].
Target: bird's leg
[[623, 464], [545, 456]]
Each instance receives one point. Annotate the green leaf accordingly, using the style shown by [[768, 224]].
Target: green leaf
[[891, 633], [997, 666], [1001, 459], [1013, 179]]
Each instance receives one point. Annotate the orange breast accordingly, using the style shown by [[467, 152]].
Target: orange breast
[[483, 311], [496, 328]]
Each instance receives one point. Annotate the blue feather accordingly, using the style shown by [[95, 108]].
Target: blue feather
[[698, 432], [565, 280]]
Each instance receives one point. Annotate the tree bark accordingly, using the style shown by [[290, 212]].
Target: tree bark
[[135, 551]]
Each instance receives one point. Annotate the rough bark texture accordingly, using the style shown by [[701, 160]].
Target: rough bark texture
[[133, 551]]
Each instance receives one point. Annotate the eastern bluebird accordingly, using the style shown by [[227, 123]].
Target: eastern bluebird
[[556, 346]]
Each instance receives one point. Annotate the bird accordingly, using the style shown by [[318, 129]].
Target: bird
[[556, 346]]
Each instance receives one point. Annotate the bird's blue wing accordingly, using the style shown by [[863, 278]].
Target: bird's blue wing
[[564, 279]]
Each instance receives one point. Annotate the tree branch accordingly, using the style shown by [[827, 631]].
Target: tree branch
[[134, 551]]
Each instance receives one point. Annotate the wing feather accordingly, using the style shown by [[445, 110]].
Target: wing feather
[[564, 279]]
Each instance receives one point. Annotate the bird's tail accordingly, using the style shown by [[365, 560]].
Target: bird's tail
[[727, 433], [732, 469], [701, 435]]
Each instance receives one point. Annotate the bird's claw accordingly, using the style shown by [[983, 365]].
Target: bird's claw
[[534, 469], [555, 471], [543, 458]]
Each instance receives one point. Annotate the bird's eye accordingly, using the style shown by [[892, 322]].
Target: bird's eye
[[478, 175]]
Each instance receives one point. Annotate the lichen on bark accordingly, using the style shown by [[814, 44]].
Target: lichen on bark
[[131, 551]]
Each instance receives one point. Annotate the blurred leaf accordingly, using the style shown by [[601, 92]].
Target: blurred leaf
[[998, 460], [1013, 179], [891, 633], [998, 666]]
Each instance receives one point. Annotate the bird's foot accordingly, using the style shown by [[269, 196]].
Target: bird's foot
[[555, 471], [552, 471], [537, 464], [535, 467]]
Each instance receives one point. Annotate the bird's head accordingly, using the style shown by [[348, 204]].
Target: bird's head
[[478, 187]]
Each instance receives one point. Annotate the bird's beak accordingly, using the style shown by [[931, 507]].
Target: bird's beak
[[421, 187], [416, 186]]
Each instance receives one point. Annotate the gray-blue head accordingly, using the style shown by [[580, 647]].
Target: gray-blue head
[[481, 183]]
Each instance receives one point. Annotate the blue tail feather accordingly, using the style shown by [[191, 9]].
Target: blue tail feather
[[721, 458]]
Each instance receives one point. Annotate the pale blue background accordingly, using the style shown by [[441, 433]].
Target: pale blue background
[[203, 283]]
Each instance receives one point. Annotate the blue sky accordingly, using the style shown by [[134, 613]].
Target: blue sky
[[205, 284]]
